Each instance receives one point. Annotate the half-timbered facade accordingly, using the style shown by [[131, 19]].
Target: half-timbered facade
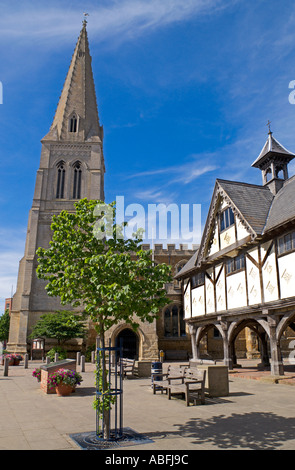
[[243, 274]]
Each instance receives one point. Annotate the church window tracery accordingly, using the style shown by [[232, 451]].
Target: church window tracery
[[60, 185], [174, 324], [77, 181]]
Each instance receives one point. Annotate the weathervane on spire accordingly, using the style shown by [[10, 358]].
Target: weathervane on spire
[[85, 16], [268, 124]]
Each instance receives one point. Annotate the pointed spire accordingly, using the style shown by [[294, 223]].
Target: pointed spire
[[76, 116]]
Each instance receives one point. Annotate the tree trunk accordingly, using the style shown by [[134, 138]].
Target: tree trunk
[[105, 386]]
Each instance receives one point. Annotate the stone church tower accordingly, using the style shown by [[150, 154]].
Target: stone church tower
[[71, 168]]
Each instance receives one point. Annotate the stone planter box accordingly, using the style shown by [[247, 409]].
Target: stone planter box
[[217, 380], [48, 369]]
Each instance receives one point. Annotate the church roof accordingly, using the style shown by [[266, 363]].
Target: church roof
[[78, 97], [272, 146]]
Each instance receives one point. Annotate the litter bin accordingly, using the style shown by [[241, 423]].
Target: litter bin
[[157, 370]]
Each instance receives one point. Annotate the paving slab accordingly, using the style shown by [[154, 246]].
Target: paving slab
[[255, 416]]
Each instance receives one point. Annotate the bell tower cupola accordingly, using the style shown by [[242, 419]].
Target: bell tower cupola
[[273, 162]]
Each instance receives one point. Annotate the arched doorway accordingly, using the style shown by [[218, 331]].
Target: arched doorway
[[129, 343]]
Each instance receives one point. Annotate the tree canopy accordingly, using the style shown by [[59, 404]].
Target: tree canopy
[[110, 277], [62, 326]]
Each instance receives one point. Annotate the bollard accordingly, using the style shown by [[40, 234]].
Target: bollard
[[162, 354], [93, 357], [78, 358], [55, 357], [26, 361], [82, 363], [47, 360], [6, 366]]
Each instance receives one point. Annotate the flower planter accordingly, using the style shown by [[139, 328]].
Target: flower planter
[[64, 390]]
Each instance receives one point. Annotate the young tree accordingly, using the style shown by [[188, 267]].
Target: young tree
[[62, 326], [4, 326], [90, 264]]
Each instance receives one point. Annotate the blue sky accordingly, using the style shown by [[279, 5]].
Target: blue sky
[[184, 87]]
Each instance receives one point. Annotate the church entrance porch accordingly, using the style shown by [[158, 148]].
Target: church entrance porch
[[130, 343]]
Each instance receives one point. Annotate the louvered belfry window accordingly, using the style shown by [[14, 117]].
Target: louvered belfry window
[[77, 181], [60, 185], [73, 124]]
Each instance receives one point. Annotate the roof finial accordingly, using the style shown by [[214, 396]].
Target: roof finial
[[85, 16], [268, 124]]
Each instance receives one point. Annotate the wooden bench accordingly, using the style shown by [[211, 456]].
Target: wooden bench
[[175, 372], [192, 385], [127, 367]]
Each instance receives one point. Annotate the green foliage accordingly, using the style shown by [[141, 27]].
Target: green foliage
[[111, 278], [62, 325], [62, 353], [4, 326]]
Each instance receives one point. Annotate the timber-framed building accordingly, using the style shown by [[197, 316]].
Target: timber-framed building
[[243, 274]]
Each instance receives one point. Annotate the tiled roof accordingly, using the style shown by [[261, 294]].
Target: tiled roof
[[272, 146], [283, 207], [252, 201]]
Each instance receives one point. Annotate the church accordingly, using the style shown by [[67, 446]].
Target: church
[[72, 166], [243, 274]]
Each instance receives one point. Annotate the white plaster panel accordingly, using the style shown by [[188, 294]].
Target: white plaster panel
[[215, 242], [269, 276], [210, 304], [236, 290], [198, 301], [287, 275], [254, 290], [220, 289], [187, 302], [227, 237], [254, 254], [242, 232]]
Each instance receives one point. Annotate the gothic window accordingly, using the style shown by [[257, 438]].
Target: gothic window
[[174, 324], [73, 124], [60, 185], [77, 181], [226, 218]]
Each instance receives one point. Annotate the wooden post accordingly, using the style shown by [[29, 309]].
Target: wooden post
[[82, 363], [78, 358], [93, 357], [26, 361], [6, 366]]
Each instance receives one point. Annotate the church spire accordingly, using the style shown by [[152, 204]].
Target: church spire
[[76, 117]]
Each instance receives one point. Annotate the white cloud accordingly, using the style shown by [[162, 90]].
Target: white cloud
[[128, 18], [12, 242], [185, 173]]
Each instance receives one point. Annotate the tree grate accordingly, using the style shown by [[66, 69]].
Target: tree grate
[[90, 440]]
